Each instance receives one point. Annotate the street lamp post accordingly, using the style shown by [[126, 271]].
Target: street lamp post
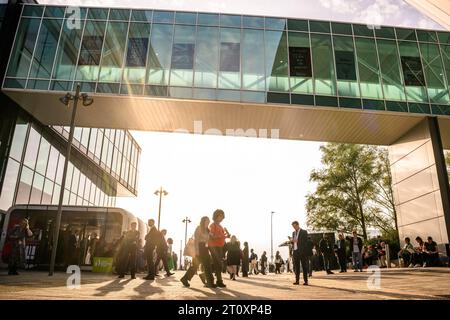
[[86, 100], [186, 221], [181, 252], [271, 236], [161, 193]]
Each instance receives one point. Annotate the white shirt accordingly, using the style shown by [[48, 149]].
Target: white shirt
[[296, 239], [355, 244]]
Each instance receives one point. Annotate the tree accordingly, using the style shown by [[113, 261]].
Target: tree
[[354, 190]]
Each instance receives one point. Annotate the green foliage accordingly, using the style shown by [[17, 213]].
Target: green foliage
[[353, 190]]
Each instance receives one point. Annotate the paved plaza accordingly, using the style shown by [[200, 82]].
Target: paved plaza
[[395, 284]]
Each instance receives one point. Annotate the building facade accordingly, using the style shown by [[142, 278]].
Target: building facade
[[103, 165], [310, 79]]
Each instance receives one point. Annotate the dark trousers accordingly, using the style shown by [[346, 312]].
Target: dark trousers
[[277, 268], [407, 258], [245, 268], [127, 260], [148, 252], [205, 260], [217, 262], [263, 268], [303, 260], [327, 261], [342, 261], [162, 255]]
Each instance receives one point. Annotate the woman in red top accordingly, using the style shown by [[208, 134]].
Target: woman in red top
[[217, 235]]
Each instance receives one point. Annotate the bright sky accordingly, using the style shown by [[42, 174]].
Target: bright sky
[[246, 177]]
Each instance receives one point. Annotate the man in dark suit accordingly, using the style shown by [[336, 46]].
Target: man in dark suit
[[341, 252], [326, 248], [162, 252], [151, 240], [300, 252]]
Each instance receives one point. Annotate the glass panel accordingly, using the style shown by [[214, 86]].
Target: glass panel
[[44, 53], [142, 15], [9, 185], [228, 95], [163, 16], [300, 69], [32, 148], [412, 72], [33, 11], [230, 48], [108, 87], [428, 36], [385, 32], [208, 19], [275, 23], [119, 14], [444, 37], [253, 96], [18, 140], [362, 30], [113, 52], [160, 54], [66, 57], [253, 75], [182, 61], [42, 158], [38, 84], [324, 73], [54, 12], [207, 57], [185, 18], [298, 25], [319, 26], [230, 21], [276, 61], [369, 71], [98, 13], [253, 22], [23, 48], [445, 51], [345, 67], [390, 70], [137, 53], [91, 48], [52, 163], [205, 94], [406, 34], [36, 191], [23, 192], [341, 28], [434, 73]]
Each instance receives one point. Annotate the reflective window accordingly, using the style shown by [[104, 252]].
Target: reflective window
[[230, 48], [163, 17], [142, 15], [52, 163], [445, 51], [160, 54], [227, 20], [185, 18], [253, 64], [113, 52], [323, 64], [66, 57], [9, 185], [38, 187], [32, 148], [412, 72], [182, 61], [20, 132], [23, 48], [208, 19], [91, 49], [369, 71], [206, 57], [345, 66], [42, 159], [297, 25], [300, 68], [45, 51], [137, 51], [23, 192], [434, 73], [119, 14], [390, 70], [253, 22], [60, 169]]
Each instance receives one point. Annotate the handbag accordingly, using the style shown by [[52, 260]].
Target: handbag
[[189, 249]]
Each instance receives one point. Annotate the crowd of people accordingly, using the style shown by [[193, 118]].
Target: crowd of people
[[213, 256]]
